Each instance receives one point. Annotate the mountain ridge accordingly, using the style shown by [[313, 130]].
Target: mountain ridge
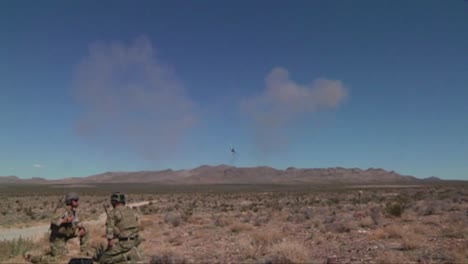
[[226, 174]]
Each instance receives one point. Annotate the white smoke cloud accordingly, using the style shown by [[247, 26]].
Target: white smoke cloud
[[131, 99], [38, 166], [284, 101]]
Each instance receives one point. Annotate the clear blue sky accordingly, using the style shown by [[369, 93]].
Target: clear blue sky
[[95, 86]]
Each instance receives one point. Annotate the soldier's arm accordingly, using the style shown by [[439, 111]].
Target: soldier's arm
[[76, 220], [109, 226], [59, 217]]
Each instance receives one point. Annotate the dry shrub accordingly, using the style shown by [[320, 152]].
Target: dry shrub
[[222, 221], [412, 241], [196, 220], [239, 227], [393, 231], [175, 219], [425, 208], [341, 227], [16, 247], [378, 234], [395, 208], [261, 219], [409, 216], [366, 222], [438, 257], [175, 240], [388, 232], [456, 229], [277, 259], [296, 218], [165, 254], [258, 243], [459, 255], [266, 238], [392, 257], [245, 205], [290, 252], [167, 257], [352, 224], [247, 247]]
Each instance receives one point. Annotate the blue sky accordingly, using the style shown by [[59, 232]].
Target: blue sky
[[95, 86]]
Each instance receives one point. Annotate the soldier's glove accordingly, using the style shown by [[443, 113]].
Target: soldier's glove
[[81, 231], [67, 219]]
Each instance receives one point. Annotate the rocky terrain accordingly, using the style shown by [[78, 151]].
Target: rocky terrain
[[392, 224]]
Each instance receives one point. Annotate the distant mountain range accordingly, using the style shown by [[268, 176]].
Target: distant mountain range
[[224, 174]]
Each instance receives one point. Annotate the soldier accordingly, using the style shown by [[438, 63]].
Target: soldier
[[122, 228], [64, 226]]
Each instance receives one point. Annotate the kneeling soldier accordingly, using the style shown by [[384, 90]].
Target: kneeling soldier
[[122, 228], [64, 226]]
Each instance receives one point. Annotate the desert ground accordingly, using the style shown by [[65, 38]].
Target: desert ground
[[257, 223]]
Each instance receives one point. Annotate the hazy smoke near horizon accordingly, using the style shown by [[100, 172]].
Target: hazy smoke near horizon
[[131, 100], [284, 102]]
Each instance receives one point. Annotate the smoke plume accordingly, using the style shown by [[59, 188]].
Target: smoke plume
[[284, 102], [131, 101]]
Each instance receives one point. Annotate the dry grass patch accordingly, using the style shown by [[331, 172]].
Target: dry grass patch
[[291, 251], [394, 231], [378, 234], [267, 237], [406, 233], [459, 255], [413, 241], [196, 220], [166, 256], [458, 229], [222, 221], [392, 257], [248, 248], [409, 239], [257, 244], [366, 222], [278, 226], [341, 227], [16, 247]]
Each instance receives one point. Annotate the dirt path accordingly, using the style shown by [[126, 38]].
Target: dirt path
[[37, 232]]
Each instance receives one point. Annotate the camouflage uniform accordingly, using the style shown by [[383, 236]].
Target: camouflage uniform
[[122, 224], [61, 232]]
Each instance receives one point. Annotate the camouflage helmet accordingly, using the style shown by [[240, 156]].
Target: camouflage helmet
[[71, 196], [118, 197]]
